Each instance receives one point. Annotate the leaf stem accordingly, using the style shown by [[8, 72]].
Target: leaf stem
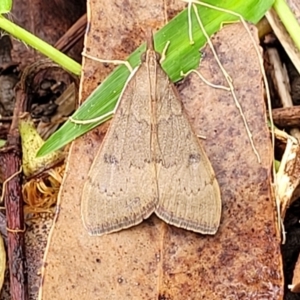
[[38, 44]]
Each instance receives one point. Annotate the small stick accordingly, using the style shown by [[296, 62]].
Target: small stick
[[6, 181], [10, 164], [107, 115], [15, 222], [215, 86], [115, 62]]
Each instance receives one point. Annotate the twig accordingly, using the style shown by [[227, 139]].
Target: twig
[[10, 163]]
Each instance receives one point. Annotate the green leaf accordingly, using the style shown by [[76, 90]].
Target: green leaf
[[181, 56], [5, 6]]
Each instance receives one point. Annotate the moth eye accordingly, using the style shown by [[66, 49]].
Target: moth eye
[[157, 56], [143, 57]]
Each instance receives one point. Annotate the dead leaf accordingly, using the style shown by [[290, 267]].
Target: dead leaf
[[154, 260], [249, 208]]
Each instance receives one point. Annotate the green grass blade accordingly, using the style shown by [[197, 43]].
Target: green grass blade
[[181, 56]]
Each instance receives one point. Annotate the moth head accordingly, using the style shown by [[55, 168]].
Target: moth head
[[150, 54]]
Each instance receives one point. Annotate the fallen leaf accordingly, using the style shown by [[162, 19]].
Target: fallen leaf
[[154, 260]]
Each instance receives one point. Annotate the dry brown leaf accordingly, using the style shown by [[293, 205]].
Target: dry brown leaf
[[154, 260], [248, 238]]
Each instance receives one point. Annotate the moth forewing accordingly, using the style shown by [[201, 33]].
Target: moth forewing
[[189, 194], [121, 187]]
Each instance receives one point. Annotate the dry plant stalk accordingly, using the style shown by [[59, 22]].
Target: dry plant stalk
[[40, 194]]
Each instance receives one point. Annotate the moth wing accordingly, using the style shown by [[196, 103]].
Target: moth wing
[[121, 190], [189, 194]]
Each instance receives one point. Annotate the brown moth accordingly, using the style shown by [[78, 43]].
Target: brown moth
[[150, 161]]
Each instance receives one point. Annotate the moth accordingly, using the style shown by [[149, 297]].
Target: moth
[[150, 161]]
